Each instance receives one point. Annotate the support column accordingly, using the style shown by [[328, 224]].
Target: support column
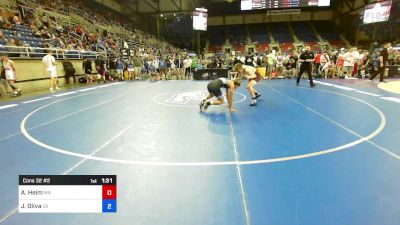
[[198, 42], [158, 26]]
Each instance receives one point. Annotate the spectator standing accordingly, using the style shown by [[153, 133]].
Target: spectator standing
[[69, 71], [87, 67], [162, 67], [3, 80], [130, 68], [383, 60], [340, 62], [187, 63], [249, 60], [279, 64], [317, 62], [49, 64], [138, 64], [271, 61], [10, 74], [348, 63], [120, 69]]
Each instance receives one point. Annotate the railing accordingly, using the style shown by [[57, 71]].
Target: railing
[[60, 18], [36, 52]]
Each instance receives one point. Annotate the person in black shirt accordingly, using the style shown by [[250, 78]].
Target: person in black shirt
[[87, 67], [306, 58], [383, 59], [69, 71], [249, 60]]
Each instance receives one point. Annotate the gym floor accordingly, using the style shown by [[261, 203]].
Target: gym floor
[[327, 155]]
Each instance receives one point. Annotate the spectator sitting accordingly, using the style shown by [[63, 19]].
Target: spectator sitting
[[70, 46], [7, 26], [44, 33], [79, 30], [60, 43], [13, 51], [32, 26], [16, 19]]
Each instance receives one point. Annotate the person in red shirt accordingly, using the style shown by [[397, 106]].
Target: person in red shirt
[[317, 62]]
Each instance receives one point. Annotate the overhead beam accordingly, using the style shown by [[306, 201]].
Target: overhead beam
[[176, 5], [170, 11], [127, 5], [348, 4], [151, 6]]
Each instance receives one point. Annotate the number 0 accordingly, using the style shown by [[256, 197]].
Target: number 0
[[109, 192]]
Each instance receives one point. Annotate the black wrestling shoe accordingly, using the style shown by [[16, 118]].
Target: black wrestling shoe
[[201, 105], [206, 105], [258, 95], [313, 85]]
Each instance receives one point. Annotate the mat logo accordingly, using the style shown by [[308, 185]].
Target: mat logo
[[184, 98]]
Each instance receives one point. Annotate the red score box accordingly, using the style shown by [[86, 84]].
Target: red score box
[[109, 191]]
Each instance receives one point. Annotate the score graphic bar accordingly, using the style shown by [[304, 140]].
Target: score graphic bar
[[67, 193]]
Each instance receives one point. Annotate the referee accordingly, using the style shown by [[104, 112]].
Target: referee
[[306, 58]]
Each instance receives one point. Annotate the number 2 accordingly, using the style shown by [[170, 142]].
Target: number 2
[[109, 206]]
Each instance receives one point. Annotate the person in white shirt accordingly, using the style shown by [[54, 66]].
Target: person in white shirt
[[359, 59], [187, 64], [10, 74], [49, 64], [348, 63], [323, 60]]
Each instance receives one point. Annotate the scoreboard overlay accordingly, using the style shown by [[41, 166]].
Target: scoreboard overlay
[[67, 193]]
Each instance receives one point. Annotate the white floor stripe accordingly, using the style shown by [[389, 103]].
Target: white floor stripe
[[36, 100], [391, 99], [117, 83], [340, 125], [367, 93], [66, 93], [98, 149], [323, 83], [239, 173], [77, 165], [344, 88], [216, 163], [8, 106], [8, 215], [87, 89]]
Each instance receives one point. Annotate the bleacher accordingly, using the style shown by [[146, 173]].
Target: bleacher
[[259, 34], [216, 37], [238, 37], [337, 44], [304, 32], [33, 46], [313, 45], [280, 32], [36, 45], [326, 30], [238, 34]]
